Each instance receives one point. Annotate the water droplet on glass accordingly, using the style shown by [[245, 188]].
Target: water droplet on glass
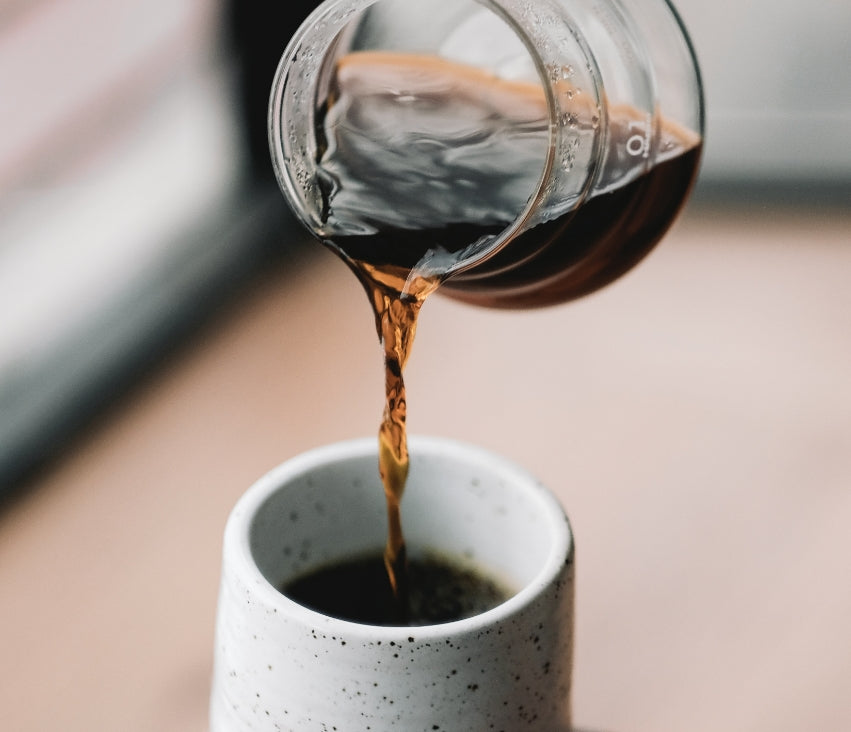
[[569, 119]]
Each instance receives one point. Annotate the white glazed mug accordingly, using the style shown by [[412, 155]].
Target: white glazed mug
[[280, 666]]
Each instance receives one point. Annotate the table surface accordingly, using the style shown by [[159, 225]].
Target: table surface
[[694, 419]]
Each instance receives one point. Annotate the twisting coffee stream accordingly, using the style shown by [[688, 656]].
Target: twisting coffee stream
[[396, 307]]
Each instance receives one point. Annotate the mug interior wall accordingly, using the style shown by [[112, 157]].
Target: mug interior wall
[[452, 505], [482, 511], [332, 511]]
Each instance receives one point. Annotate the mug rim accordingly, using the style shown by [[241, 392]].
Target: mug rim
[[239, 525]]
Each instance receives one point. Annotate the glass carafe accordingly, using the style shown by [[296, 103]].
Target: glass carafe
[[518, 153]]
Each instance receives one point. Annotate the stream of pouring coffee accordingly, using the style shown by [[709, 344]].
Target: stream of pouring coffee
[[396, 323]]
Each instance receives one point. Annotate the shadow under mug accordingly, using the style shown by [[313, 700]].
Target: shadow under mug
[[281, 666]]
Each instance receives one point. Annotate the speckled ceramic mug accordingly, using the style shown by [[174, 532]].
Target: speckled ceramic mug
[[280, 666]]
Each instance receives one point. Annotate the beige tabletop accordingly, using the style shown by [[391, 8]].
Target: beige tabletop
[[694, 418]]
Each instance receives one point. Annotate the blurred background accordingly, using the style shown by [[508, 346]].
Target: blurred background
[[142, 236]]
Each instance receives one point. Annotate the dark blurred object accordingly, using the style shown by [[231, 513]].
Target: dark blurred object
[[258, 32], [134, 202]]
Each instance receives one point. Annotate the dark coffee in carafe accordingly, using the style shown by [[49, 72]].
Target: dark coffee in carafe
[[423, 159]]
